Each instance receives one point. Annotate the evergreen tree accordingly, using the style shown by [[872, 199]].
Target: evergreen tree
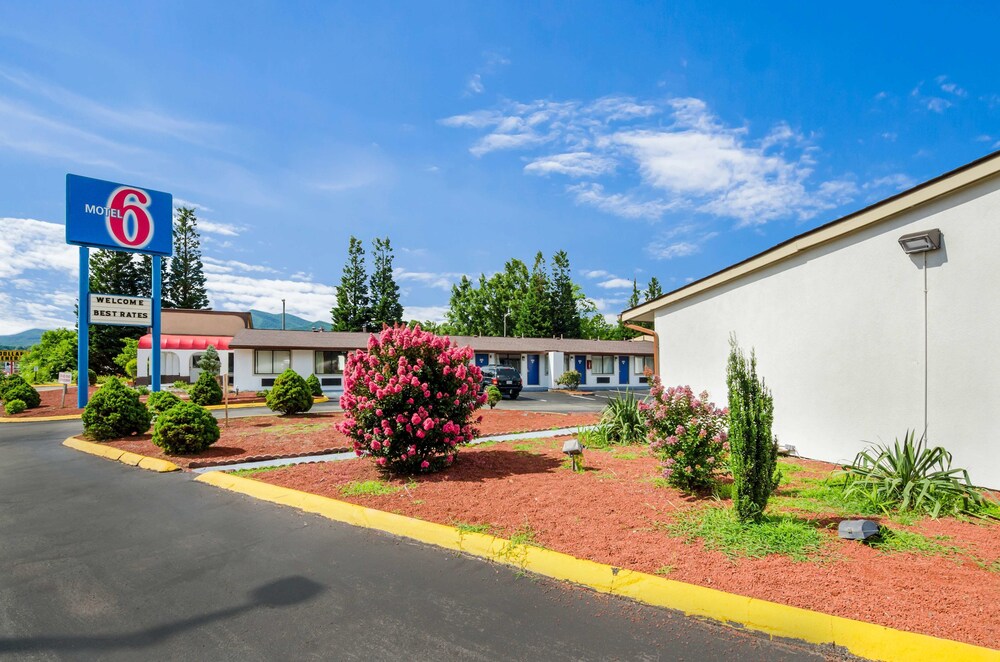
[[113, 272], [563, 303], [633, 300], [386, 308], [464, 312], [187, 278], [534, 317], [353, 310], [653, 290], [146, 279], [210, 361]]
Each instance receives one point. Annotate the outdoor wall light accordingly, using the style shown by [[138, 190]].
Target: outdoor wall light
[[921, 242], [574, 449], [857, 529]]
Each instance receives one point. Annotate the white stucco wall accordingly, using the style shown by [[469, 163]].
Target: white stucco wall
[[839, 336]]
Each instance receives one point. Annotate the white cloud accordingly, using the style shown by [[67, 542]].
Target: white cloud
[[425, 313], [575, 164], [38, 275], [224, 229], [442, 281], [668, 250], [181, 202], [215, 265], [937, 104], [897, 181], [619, 204], [475, 84], [616, 284], [32, 245], [596, 273], [230, 291]]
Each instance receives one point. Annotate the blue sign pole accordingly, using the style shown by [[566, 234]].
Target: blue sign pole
[[83, 332], [155, 345]]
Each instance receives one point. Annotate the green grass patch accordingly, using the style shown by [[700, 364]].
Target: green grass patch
[[473, 528], [368, 488], [524, 535], [664, 570], [819, 496], [719, 529], [250, 473], [898, 541], [296, 428]]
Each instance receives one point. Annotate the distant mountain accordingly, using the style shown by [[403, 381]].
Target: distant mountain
[[262, 320], [25, 339]]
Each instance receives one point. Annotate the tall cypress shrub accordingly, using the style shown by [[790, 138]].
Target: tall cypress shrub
[[753, 450]]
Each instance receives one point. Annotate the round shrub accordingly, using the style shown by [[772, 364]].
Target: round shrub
[[161, 401], [206, 391], [409, 399], [312, 381], [493, 395], [686, 433], [570, 379], [115, 411], [185, 428], [16, 388], [14, 407], [290, 394]]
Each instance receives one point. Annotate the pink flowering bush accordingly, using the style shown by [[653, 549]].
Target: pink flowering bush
[[409, 400], [687, 433]]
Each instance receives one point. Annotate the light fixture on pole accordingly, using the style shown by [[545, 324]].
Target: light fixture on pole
[[921, 242]]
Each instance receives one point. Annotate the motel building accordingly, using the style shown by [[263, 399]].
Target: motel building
[[255, 357], [883, 321]]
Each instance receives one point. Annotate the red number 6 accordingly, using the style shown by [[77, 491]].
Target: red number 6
[[129, 204]]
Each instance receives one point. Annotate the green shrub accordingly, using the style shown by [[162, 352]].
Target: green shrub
[[570, 379], [754, 452], [115, 411], [180, 385], [312, 381], [161, 401], [210, 361], [185, 428], [290, 394], [622, 422], [14, 406], [206, 391], [263, 393], [911, 476], [142, 390], [16, 388], [131, 368], [91, 377], [493, 395], [3, 383]]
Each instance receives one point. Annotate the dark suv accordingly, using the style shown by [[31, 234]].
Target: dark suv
[[505, 378]]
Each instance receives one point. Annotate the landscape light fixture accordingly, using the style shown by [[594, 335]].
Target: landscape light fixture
[[574, 449], [857, 529], [921, 242]]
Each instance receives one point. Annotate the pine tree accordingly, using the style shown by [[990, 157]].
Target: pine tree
[[113, 272], [565, 315], [210, 361], [653, 290], [633, 300], [353, 310], [386, 308], [187, 278], [146, 279], [534, 319]]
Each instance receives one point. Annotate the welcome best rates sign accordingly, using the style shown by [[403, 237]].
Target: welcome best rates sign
[[120, 310]]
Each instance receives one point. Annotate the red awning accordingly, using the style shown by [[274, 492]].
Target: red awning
[[185, 342]]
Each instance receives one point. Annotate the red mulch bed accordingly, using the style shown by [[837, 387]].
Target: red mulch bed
[[51, 399], [270, 437], [613, 513]]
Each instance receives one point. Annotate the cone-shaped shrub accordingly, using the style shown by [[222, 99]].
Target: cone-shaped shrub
[[115, 411], [290, 394], [206, 391], [754, 453], [409, 399], [312, 381], [161, 401], [16, 388], [210, 361], [185, 428]]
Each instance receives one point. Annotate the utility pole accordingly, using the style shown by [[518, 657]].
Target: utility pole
[[282, 314]]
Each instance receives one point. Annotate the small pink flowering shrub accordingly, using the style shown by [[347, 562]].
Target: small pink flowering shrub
[[409, 400], [687, 433]]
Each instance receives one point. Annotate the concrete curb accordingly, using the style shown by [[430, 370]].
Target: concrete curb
[[73, 417], [118, 455], [864, 639]]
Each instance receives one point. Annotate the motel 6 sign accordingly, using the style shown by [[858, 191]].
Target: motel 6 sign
[[104, 214]]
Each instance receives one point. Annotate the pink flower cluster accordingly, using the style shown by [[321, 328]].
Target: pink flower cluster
[[409, 399], [687, 433]]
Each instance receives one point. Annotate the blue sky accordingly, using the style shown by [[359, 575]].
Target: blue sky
[[666, 139]]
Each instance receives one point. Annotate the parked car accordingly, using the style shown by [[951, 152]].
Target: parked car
[[505, 378]]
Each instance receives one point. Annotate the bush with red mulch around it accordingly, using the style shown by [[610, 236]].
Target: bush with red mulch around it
[[260, 437], [616, 512]]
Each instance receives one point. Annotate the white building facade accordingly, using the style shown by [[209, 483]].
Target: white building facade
[[857, 340]]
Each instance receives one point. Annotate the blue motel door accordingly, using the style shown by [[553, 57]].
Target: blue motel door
[[623, 370], [581, 367], [482, 359], [532, 369]]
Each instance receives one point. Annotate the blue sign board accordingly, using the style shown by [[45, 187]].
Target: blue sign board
[[102, 214]]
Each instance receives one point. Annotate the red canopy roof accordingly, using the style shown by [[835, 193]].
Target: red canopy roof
[[185, 342]]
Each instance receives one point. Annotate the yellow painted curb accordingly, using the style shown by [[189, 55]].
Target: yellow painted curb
[[864, 639], [118, 455], [39, 419]]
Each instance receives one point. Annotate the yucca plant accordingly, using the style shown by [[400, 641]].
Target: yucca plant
[[621, 422], [911, 476]]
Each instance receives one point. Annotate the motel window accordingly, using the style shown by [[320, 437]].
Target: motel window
[[510, 360], [272, 361], [330, 363], [568, 363], [195, 360], [643, 362], [602, 365]]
